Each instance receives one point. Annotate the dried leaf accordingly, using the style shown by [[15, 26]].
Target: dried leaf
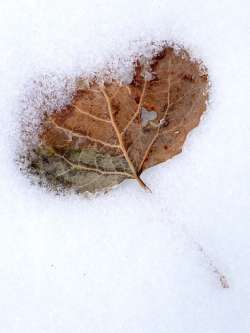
[[113, 131]]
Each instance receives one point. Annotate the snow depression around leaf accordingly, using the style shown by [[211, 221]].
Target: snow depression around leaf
[[112, 131]]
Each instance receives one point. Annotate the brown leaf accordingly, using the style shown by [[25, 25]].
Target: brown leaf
[[114, 131]]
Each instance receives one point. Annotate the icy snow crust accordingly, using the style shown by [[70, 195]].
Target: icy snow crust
[[128, 261]]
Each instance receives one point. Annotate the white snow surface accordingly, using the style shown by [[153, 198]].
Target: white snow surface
[[129, 261]]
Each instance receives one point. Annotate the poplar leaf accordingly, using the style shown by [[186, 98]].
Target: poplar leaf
[[113, 131]]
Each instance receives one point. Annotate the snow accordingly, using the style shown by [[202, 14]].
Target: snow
[[129, 261]]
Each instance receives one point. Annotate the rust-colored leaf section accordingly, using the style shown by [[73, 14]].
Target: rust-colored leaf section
[[114, 131]]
